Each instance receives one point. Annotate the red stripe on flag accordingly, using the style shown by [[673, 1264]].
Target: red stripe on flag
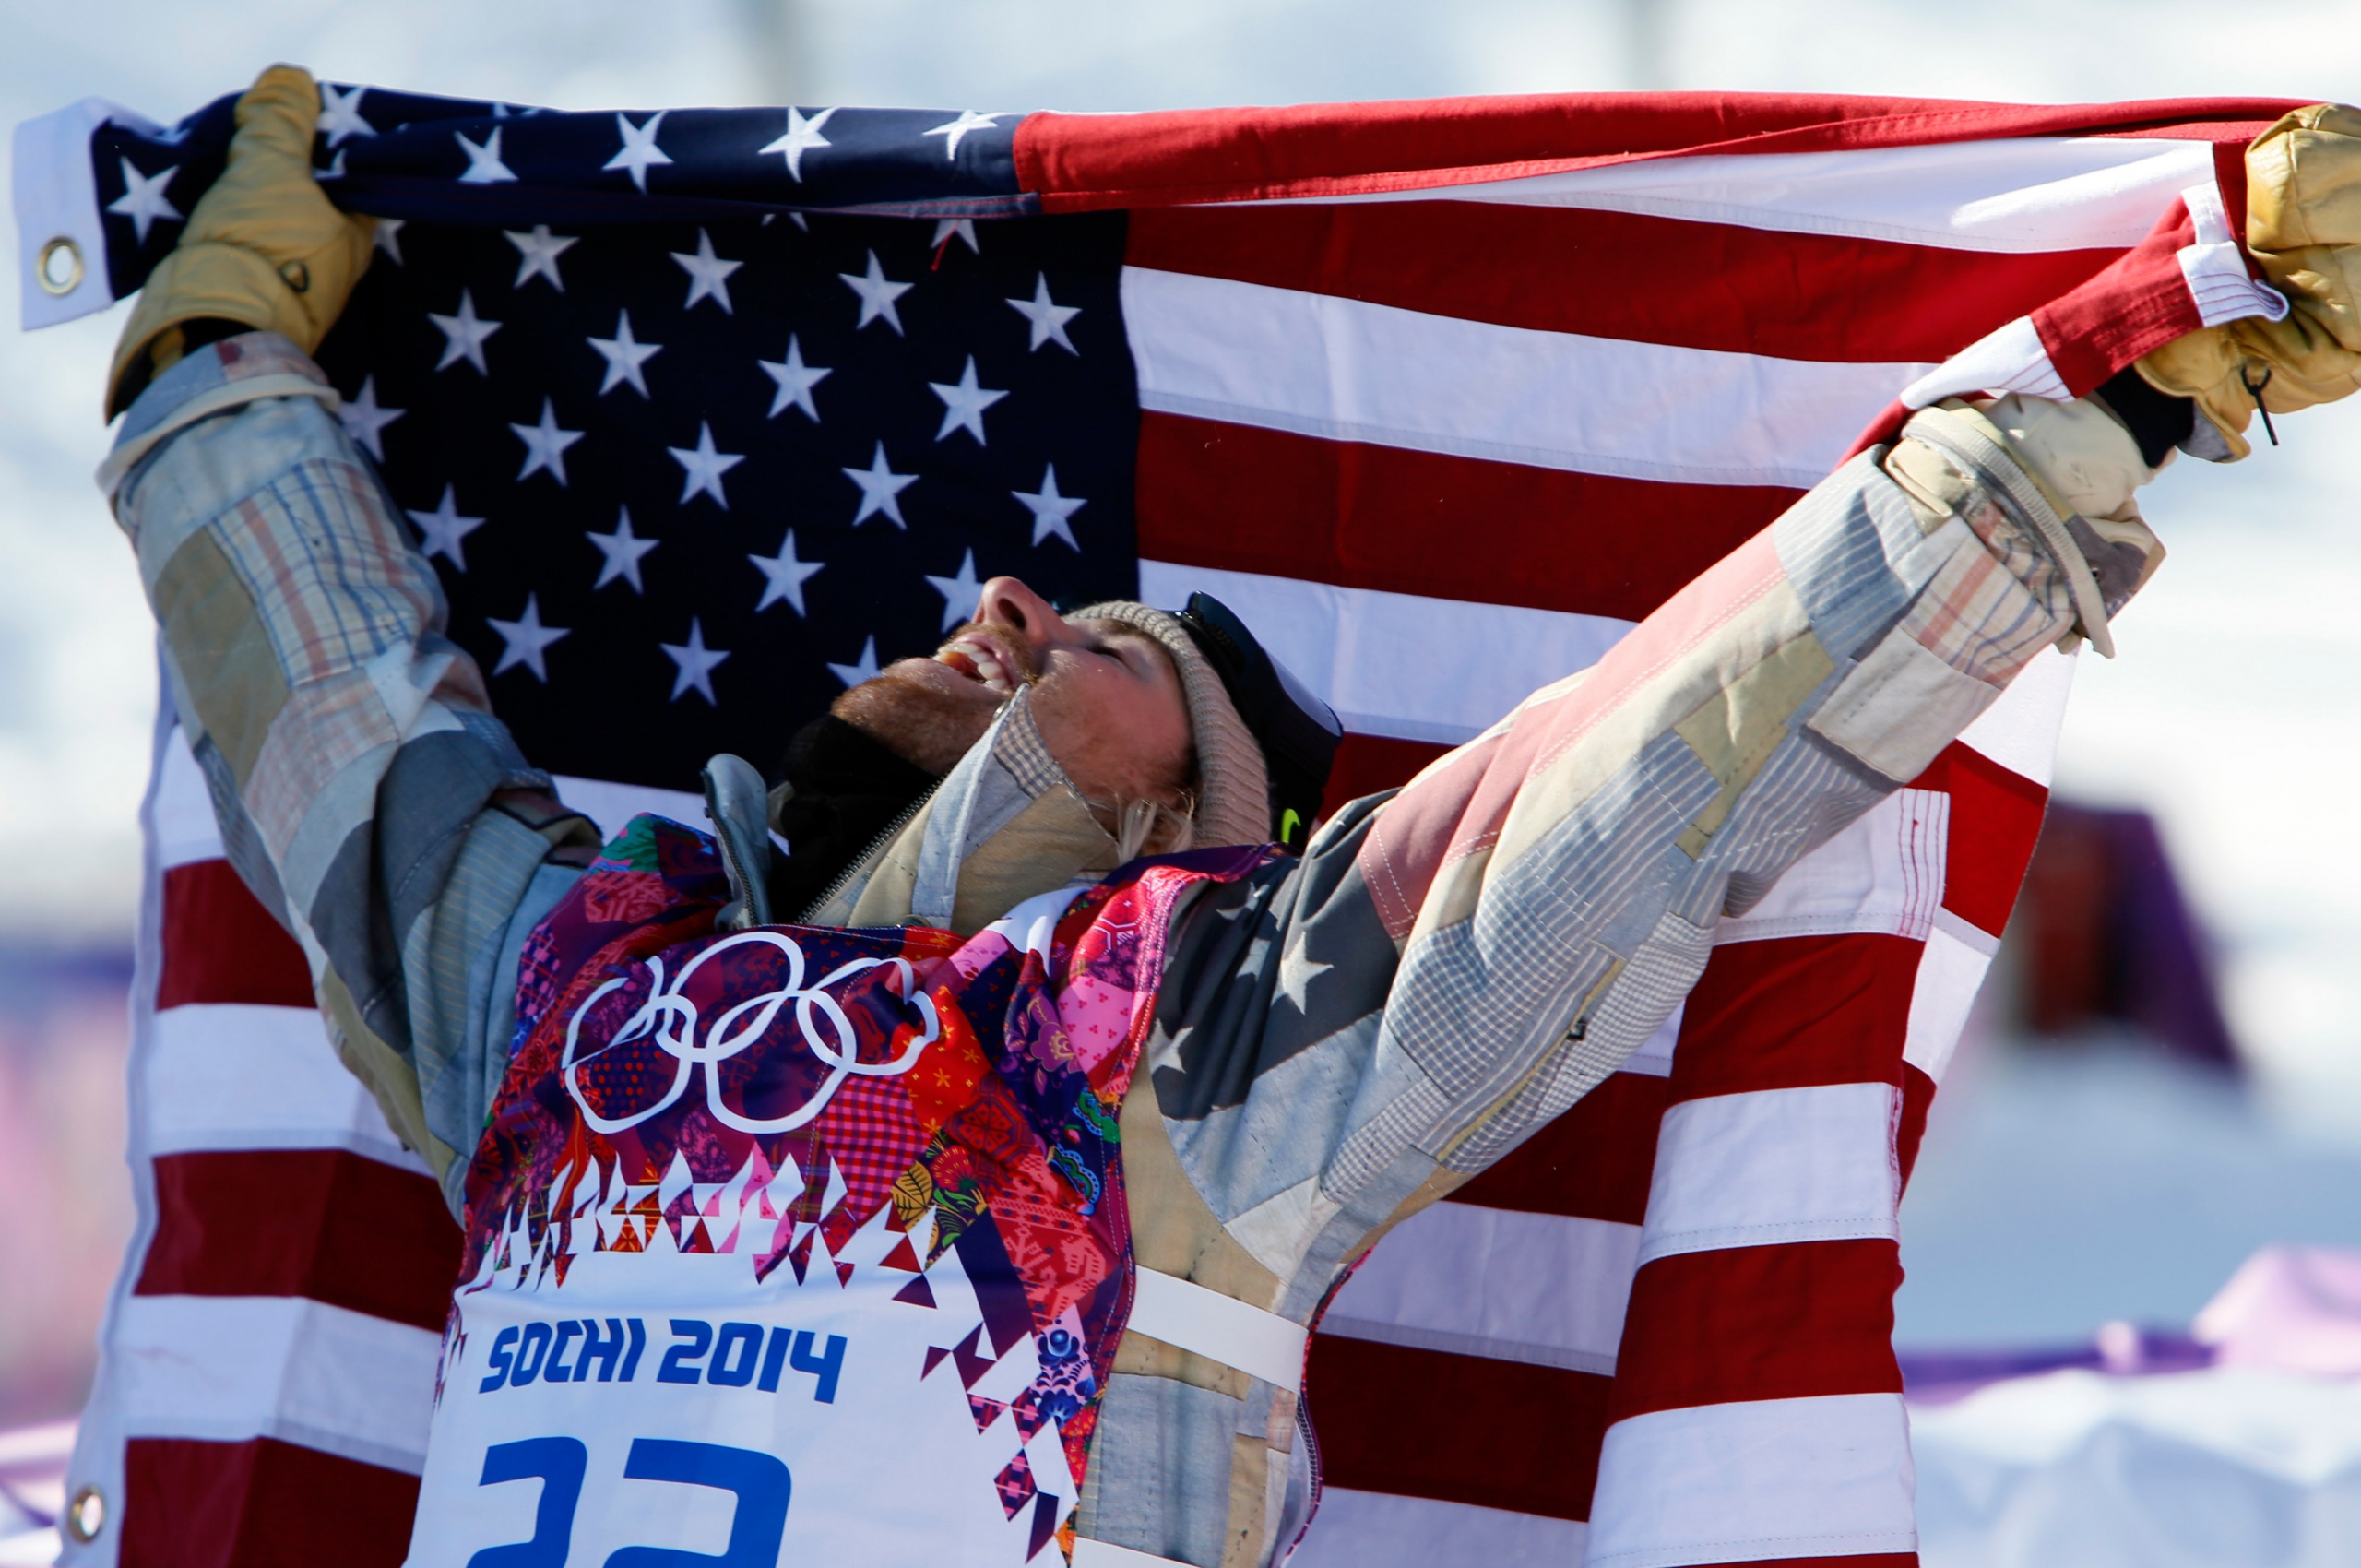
[[261, 1503], [1367, 764], [1078, 162], [220, 944], [320, 1223], [1621, 275], [2139, 304], [1795, 1011], [1244, 499], [1593, 1162], [1996, 820], [1787, 1321], [1458, 1429]]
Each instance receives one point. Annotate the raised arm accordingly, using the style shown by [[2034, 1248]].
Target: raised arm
[[1447, 971], [366, 793]]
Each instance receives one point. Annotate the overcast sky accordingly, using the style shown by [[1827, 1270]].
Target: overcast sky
[[2236, 710]]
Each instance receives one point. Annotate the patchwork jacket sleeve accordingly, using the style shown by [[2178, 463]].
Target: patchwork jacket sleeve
[[1343, 1039], [365, 791]]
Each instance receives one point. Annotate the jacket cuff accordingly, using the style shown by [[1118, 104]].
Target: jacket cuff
[[208, 381]]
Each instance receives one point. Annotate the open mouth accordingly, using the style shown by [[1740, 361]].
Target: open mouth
[[980, 660]]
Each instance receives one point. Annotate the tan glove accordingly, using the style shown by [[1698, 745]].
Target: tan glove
[[263, 246], [2304, 226]]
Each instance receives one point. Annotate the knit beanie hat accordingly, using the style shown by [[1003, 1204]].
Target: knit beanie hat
[[1233, 787]]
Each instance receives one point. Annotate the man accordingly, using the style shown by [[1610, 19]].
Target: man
[[958, 1181]]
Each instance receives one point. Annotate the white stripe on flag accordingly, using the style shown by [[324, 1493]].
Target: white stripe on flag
[[1883, 873], [1951, 969], [1358, 1529], [185, 830], [1346, 370], [2020, 730], [235, 1076], [2010, 358], [1824, 1476], [1537, 1288], [1773, 1166], [2214, 266], [1398, 664], [611, 805], [230, 1368], [1655, 1055], [2015, 195]]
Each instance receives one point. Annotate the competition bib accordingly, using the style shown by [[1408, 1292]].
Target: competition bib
[[662, 1408]]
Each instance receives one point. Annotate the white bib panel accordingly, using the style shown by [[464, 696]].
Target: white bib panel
[[664, 1411]]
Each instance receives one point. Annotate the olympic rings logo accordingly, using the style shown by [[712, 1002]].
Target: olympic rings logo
[[671, 1021]]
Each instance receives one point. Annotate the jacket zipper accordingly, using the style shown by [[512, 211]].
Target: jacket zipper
[[852, 867]]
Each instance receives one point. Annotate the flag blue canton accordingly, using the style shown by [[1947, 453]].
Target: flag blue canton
[[685, 477]]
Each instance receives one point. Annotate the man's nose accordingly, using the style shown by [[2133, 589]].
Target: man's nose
[[1006, 602]]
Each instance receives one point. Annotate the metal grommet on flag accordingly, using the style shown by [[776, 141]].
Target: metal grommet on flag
[[59, 269], [85, 1516]]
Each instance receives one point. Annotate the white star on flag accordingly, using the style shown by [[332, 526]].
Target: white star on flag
[[881, 490], [622, 551], [1052, 513], [537, 254], [463, 335], [388, 237], [963, 227], [695, 662], [952, 130], [525, 639], [143, 201], [1297, 971], [702, 467], [795, 380], [484, 167], [708, 274], [545, 444], [784, 577], [334, 171], [639, 147], [625, 354], [964, 404], [340, 114], [959, 593], [877, 295], [862, 669], [801, 136], [364, 421], [1048, 316], [443, 529]]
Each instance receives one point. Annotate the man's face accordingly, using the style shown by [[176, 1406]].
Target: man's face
[[1106, 697]]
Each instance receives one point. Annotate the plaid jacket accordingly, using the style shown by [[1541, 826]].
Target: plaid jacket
[[1339, 1039]]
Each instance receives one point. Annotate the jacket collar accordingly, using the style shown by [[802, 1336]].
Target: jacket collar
[[1006, 824]]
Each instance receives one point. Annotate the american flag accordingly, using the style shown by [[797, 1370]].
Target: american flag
[[704, 414]]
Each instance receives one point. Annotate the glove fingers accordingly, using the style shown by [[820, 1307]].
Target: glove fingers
[[2303, 228], [264, 245], [276, 120]]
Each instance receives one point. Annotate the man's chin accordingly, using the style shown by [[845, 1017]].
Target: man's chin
[[924, 712]]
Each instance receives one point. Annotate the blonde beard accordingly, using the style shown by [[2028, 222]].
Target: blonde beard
[[924, 727]]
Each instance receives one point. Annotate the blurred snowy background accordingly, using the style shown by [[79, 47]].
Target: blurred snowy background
[[2063, 1186]]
